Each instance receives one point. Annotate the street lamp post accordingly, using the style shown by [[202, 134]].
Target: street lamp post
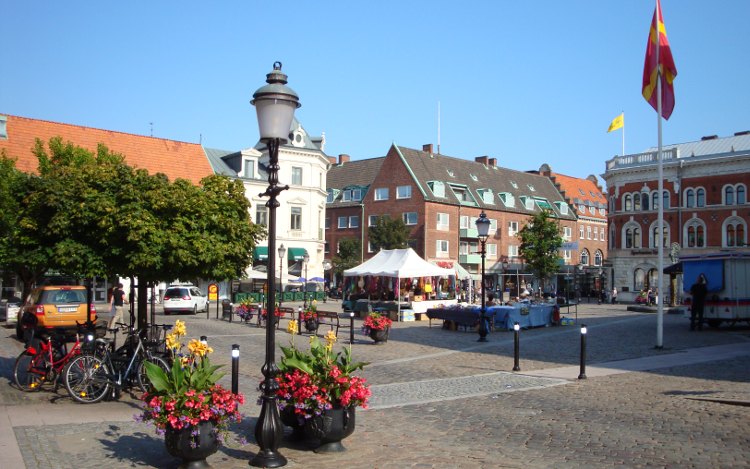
[[505, 280], [483, 231], [282, 257], [306, 260], [275, 104]]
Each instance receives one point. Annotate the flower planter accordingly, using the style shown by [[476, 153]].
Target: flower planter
[[311, 325], [330, 428], [192, 444], [380, 336]]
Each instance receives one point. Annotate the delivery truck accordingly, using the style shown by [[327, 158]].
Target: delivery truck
[[728, 275]]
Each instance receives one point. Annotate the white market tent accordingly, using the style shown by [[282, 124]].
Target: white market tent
[[401, 263]]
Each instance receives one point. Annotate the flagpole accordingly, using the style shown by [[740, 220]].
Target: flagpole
[[660, 197], [623, 133]]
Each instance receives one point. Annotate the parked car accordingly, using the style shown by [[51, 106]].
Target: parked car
[[54, 307], [184, 299], [9, 309]]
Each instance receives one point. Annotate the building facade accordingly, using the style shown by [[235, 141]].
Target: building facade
[[705, 207]]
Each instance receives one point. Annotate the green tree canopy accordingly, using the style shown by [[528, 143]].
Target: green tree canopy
[[540, 243], [389, 233], [349, 255]]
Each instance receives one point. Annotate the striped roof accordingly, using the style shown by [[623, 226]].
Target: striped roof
[[156, 155]]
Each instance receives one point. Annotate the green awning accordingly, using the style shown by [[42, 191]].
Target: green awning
[[260, 253], [296, 254]]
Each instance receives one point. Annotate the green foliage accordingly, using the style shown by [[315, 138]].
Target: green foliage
[[389, 233], [349, 255], [540, 243]]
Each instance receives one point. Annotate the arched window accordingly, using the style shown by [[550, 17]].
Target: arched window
[[598, 258], [627, 202], [734, 232], [740, 193], [689, 198], [700, 197], [585, 257], [653, 242], [632, 236], [636, 201], [612, 237], [729, 195], [644, 200], [655, 200], [694, 234], [653, 279], [665, 199], [639, 278]]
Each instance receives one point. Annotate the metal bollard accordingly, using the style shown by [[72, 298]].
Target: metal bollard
[[582, 374], [299, 320], [516, 331], [351, 327], [204, 339], [235, 368]]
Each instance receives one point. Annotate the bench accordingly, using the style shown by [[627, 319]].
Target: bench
[[329, 318]]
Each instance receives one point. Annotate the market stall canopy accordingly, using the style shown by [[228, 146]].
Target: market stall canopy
[[460, 272], [401, 263], [254, 274]]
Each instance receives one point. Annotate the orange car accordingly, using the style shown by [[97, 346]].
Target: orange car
[[54, 307]]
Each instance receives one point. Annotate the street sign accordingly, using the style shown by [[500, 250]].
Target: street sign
[[213, 292]]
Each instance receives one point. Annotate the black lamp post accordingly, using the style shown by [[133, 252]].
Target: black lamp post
[[505, 281], [483, 231], [275, 104], [306, 260], [282, 257]]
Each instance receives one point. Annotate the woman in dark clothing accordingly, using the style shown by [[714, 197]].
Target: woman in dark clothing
[[699, 290]]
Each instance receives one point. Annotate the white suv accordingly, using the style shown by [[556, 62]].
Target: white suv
[[184, 298]]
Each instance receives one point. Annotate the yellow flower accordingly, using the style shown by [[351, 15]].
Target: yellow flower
[[179, 328], [185, 362], [173, 341], [198, 348], [292, 327], [330, 340]]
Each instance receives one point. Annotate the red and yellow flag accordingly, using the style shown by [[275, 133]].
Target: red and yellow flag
[[659, 65]]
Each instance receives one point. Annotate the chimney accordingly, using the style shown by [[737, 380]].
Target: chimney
[[481, 159], [493, 162], [344, 158], [332, 159], [427, 148]]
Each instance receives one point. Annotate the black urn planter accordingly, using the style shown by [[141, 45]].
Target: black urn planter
[[290, 419], [380, 336], [192, 449], [311, 325], [330, 428]]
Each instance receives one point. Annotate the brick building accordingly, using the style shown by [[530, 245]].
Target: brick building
[[705, 206]]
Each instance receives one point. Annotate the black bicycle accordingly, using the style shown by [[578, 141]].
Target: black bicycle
[[89, 378]]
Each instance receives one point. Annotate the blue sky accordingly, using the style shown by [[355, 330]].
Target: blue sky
[[525, 82]]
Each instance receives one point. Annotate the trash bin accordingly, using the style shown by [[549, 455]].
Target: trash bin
[[226, 309]]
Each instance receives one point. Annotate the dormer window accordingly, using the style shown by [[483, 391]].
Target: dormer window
[[487, 196], [356, 195], [562, 207], [507, 199], [248, 168], [437, 188]]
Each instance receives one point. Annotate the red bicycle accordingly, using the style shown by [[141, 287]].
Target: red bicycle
[[44, 362]]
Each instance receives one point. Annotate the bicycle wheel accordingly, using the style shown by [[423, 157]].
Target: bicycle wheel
[[142, 377], [30, 371], [86, 379]]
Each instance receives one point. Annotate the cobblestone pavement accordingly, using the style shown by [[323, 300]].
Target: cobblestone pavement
[[442, 400]]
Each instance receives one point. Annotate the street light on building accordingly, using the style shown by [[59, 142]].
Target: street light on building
[[483, 231], [275, 104], [282, 257], [306, 260]]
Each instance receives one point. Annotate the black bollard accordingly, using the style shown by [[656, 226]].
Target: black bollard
[[235, 368], [299, 320], [516, 332], [351, 327], [582, 374], [204, 339]]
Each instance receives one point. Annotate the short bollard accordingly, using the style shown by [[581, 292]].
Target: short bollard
[[299, 320], [582, 374], [516, 331], [204, 339], [235, 368], [351, 327]]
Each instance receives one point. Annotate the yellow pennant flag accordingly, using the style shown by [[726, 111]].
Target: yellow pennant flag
[[617, 123]]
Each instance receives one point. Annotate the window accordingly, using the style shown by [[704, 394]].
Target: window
[[343, 222], [512, 228], [463, 248], [370, 247], [588, 232], [734, 232], [729, 195], [542, 203], [740, 193], [346, 196], [442, 221], [493, 226], [296, 175], [331, 196], [585, 257], [357, 194], [689, 198], [601, 234], [403, 192], [463, 222], [595, 234], [598, 258], [603, 212], [567, 232], [372, 220], [491, 250], [410, 218], [437, 188], [261, 215], [381, 193], [296, 218], [734, 195], [627, 202], [580, 232], [562, 207], [463, 195], [665, 198], [637, 202], [567, 254], [441, 248], [639, 279], [512, 251], [700, 197], [645, 198], [327, 223], [654, 238], [487, 196], [354, 221], [507, 199], [632, 236], [654, 200], [248, 168], [696, 234], [326, 247]]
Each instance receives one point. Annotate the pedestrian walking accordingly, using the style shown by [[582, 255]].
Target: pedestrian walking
[[699, 290], [614, 295], [117, 303]]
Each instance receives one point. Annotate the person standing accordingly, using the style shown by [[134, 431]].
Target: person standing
[[699, 290], [117, 303], [614, 295]]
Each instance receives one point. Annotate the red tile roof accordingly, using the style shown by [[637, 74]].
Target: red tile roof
[[156, 155], [571, 188]]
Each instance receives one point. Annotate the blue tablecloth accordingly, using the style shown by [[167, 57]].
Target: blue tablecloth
[[525, 315]]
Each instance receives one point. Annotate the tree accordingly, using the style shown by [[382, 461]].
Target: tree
[[349, 255], [93, 215], [540, 243], [389, 233]]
